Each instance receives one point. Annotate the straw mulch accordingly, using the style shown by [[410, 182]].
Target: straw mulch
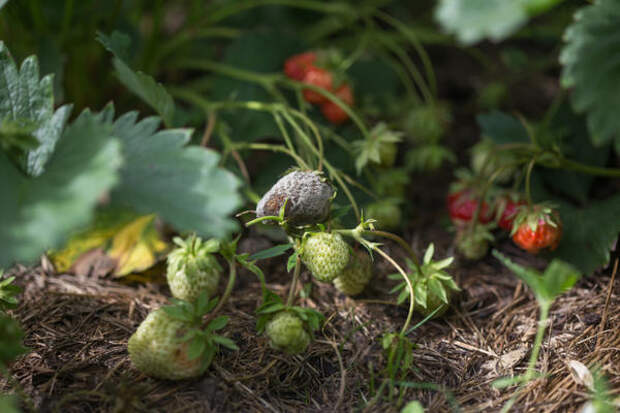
[[78, 327]]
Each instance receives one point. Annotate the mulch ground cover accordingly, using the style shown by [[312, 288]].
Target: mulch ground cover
[[77, 328]]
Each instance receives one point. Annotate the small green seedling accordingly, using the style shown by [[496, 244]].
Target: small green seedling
[[557, 278]]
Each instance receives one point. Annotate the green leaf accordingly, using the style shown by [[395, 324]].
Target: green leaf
[[8, 292], [569, 131], [475, 20], [141, 84], [271, 308], [8, 403], [292, 261], [196, 347], [559, 277], [589, 233], [420, 291], [178, 312], [591, 69], [413, 407], [25, 98], [2, 3], [182, 184], [226, 342], [11, 336], [529, 276], [436, 288], [502, 128], [218, 323], [39, 213], [16, 135], [259, 52], [202, 303], [271, 252], [504, 382]]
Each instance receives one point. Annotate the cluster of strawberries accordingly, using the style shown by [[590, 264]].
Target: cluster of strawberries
[[307, 68], [532, 228]]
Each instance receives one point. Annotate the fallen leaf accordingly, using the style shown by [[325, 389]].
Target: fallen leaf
[[134, 247], [581, 374]]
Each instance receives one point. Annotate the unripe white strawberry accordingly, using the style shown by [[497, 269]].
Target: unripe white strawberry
[[309, 197], [356, 275], [326, 255], [286, 332], [193, 269], [156, 351]]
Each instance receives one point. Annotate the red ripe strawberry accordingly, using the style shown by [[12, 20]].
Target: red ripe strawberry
[[320, 78], [462, 207], [509, 212], [333, 112], [295, 67], [537, 228]]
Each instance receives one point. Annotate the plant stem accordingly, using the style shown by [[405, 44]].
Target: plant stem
[[540, 334], [319, 6], [275, 148], [291, 291], [402, 243], [528, 176], [409, 286], [232, 276], [588, 169]]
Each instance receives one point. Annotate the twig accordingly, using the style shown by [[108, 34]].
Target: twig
[[606, 309]]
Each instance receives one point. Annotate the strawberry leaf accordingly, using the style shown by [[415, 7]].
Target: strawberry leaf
[[589, 233], [292, 261], [197, 196], [589, 70], [37, 213], [502, 128], [141, 84], [28, 102], [218, 323], [559, 277], [196, 347], [225, 341], [11, 336], [475, 20], [271, 252]]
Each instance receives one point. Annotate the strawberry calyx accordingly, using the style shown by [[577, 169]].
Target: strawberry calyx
[[536, 215], [473, 243], [432, 285]]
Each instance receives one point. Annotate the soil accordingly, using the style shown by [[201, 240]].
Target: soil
[[77, 328]]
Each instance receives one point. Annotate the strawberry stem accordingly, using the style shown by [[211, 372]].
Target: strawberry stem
[[402, 243], [291, 291], [528, 176], [232, 276]]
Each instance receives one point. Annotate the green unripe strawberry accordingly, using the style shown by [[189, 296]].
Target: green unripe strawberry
[[387, 154], [192, 268], [325, 255], [286, 332], [474, 245], [156, 351], [387, 214], [486, 159], [356, 275]]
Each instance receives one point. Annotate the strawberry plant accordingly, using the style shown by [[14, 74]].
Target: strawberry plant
[[273, 169]]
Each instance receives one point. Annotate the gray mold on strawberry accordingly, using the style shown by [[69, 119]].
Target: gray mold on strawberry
[[309, 196]]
